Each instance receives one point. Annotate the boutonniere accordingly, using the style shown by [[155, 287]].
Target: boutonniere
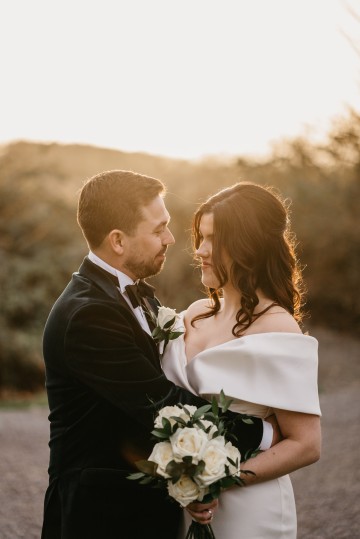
[[168, 326]]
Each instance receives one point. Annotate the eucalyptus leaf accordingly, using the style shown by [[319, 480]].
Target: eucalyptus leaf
[[136, 476], [175, 334], [147, 467], [215, 407], [175, 470], [201, 411], [157, 332], [234, 463], [167, 425], [179, 420], [159, 433], [227, 482]]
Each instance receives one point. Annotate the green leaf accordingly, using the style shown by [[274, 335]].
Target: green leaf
[[135, 476], [175, 470], [169, 323], [185, 409], [175, 335], [224, 402], [247, 420], [147, 467], [167, 425], [199, 468], [159, 433], [179, 420], [157, 332], [215, 407], [187, 459], [201, 411], [227, 482]]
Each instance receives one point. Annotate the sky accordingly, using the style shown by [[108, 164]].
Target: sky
[[184, 78]]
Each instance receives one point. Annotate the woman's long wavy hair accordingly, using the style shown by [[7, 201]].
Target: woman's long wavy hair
[[251, 223]]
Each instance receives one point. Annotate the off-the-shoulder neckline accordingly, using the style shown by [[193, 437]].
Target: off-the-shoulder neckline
[[241, 339]]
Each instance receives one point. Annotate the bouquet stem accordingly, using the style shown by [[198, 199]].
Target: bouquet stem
[[200, 531]]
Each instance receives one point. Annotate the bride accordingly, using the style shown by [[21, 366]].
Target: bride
[[245, 339]]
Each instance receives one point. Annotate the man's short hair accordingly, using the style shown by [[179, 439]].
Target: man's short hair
[[114, 200]]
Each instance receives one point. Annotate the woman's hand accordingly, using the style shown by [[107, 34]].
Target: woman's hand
[[202, 512]]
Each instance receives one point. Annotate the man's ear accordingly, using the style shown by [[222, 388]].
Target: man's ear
[[116, 239]]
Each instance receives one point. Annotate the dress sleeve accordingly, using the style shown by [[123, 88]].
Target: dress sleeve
[[278, 370]]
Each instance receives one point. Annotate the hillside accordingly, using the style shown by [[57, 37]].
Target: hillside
[[41, 244]]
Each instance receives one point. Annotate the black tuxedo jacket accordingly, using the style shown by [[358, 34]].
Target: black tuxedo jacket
[[104, 383]]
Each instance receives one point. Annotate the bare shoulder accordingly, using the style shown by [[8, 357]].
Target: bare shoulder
[[275, 320], [198, 307]]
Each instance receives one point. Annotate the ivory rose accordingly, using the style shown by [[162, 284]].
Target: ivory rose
[[188, 442], [165, 314], [185, 491], [234, 454], [162, 454], [215, 458], [167, 412]]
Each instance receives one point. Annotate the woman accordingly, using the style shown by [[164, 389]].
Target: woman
[[245, 339]]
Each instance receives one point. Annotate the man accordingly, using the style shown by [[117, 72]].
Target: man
[[103, 374]]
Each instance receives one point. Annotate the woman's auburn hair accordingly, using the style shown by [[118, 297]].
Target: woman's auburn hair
[[251, 223]]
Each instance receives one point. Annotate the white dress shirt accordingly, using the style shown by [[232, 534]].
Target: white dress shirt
[[124, 280]]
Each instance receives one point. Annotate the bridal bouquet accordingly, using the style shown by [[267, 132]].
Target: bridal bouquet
[[193, 459]]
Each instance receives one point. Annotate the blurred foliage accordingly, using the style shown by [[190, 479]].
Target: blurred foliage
[[41, 244]]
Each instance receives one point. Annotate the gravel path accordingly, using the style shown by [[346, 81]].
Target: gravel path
[[327, 493]]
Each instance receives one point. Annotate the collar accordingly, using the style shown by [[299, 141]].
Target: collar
[[123, 279]]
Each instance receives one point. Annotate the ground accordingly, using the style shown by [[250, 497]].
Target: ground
[[327, 493]]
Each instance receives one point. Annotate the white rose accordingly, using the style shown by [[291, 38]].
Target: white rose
[[215, 458], [162, 454], [165, 314], [188, 442], [234, 454], [178, 324], [167, 412], [185, 491]]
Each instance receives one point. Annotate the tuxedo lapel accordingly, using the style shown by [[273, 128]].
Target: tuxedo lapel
[[105, 280]]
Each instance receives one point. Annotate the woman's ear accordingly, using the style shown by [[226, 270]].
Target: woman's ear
[[116, 239]]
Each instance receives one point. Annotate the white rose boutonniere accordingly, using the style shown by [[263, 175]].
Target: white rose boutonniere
[[169, 326]]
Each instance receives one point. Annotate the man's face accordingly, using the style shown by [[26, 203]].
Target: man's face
[[146, 248]]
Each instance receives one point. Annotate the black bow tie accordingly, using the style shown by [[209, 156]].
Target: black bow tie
[[139, 290]]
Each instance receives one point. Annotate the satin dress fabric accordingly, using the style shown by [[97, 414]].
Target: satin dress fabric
[[259, 372]]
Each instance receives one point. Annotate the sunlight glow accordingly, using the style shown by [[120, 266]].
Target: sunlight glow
[[184, 79]]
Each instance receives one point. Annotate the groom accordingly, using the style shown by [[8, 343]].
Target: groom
[[103, 375]]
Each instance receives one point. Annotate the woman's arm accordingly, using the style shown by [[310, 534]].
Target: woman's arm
[[300, 446]]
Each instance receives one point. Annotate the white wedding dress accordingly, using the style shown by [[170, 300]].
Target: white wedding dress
[[259, 372]]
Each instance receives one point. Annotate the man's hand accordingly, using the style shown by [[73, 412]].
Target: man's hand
[[202, 512], [277, 436]]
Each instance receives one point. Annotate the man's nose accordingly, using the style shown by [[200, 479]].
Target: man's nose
[[169, 240]]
